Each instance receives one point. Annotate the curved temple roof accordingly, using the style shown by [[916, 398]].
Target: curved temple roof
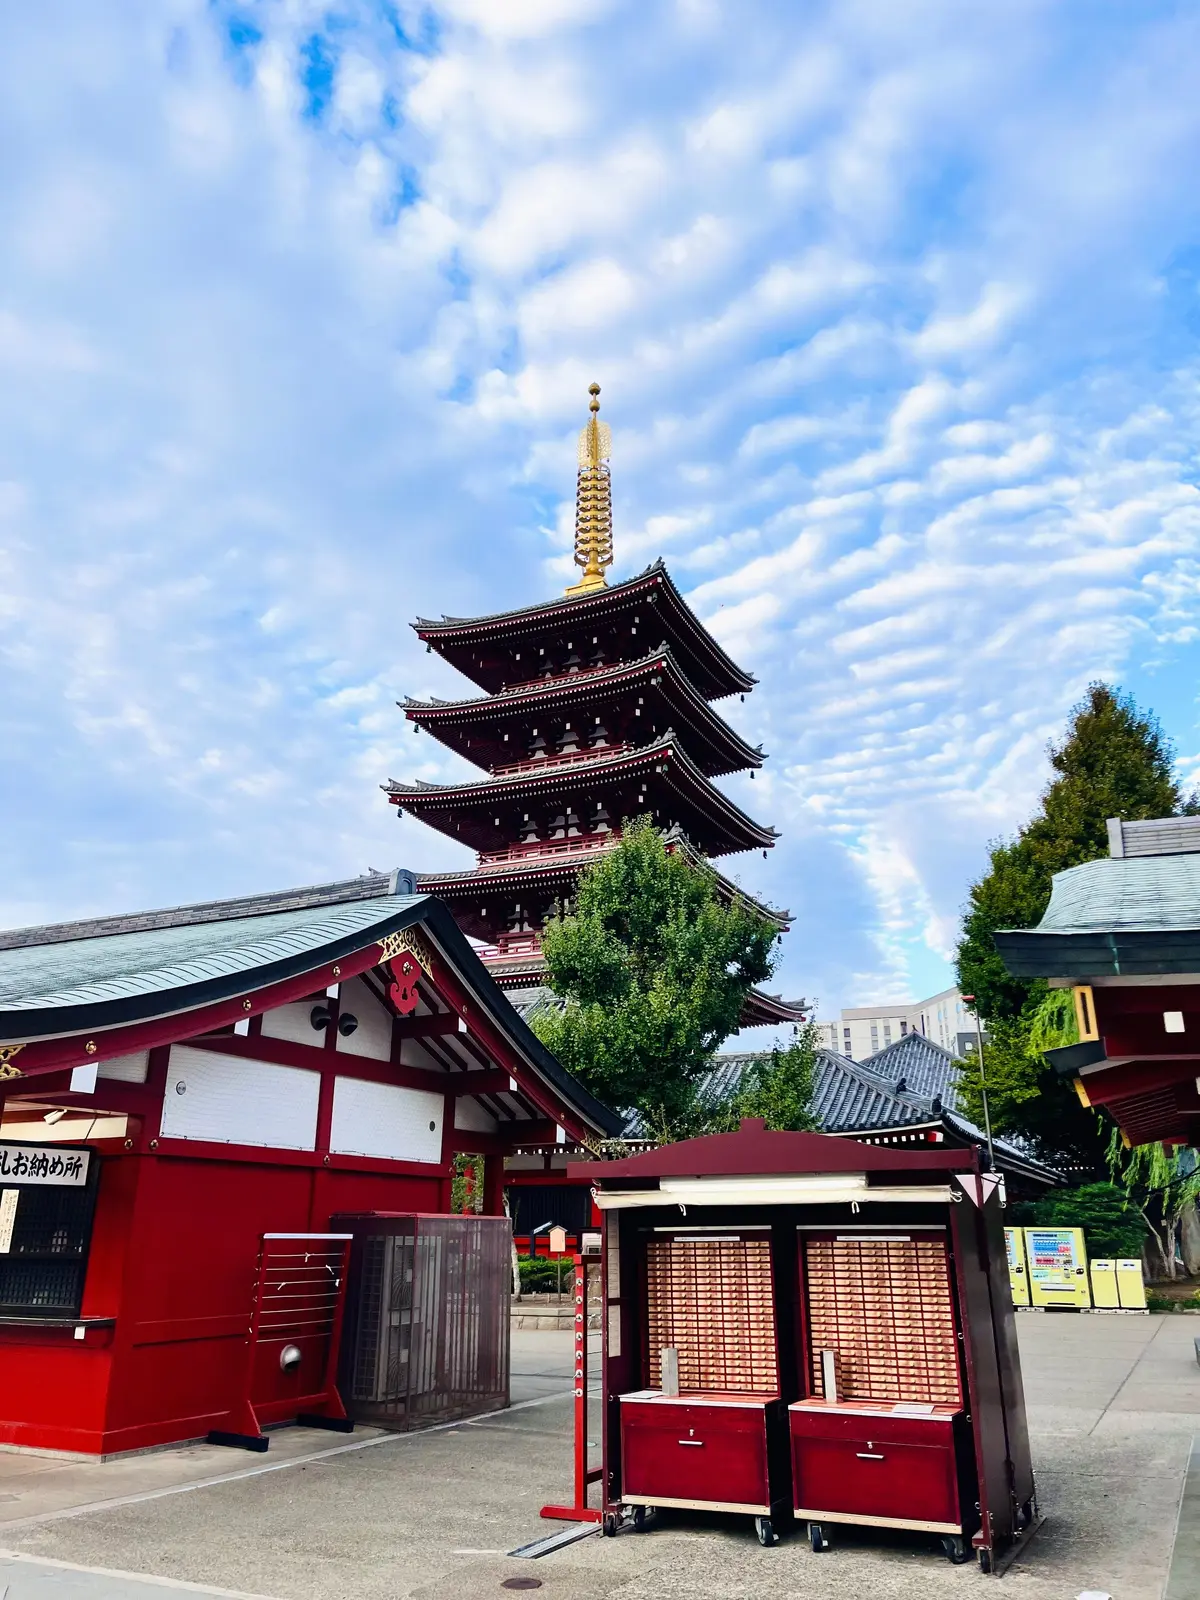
[[60, 981], [664, 765], [710, 742], [714, 673], [1130, 916]]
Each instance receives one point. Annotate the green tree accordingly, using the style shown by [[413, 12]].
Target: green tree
[[1159, 1184], [1113, 762], [1113, 1227], [653, 967], [778, 1087]]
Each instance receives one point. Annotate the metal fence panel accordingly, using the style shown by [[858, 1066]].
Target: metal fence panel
[[427, 1336]]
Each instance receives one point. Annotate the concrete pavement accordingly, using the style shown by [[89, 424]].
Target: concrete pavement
[[1113, 1401]]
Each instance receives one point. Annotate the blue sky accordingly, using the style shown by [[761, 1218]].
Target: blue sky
[[896, 314]]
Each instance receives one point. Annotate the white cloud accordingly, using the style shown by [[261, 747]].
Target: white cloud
[[895, 327]]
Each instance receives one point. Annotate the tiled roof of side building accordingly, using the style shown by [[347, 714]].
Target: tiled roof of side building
[[846, 1095], [121, 972], [850, 1098], [1150, 893], [926, 1068], [142, 962]]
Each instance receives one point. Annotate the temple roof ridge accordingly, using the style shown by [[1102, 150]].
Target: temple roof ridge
[[715, 670]]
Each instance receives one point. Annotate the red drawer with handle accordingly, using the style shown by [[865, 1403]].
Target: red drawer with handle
[[698, 1451], [884, 1466]]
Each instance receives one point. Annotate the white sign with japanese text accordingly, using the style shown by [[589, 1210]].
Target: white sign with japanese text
[[33, 1163], [8, 1217]]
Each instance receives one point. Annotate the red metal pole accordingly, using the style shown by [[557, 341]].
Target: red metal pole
[[580, 1511]]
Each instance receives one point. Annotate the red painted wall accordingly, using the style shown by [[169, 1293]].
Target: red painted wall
[[174, 1250]]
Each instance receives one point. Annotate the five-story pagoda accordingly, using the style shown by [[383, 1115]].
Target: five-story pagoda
[[596, 707]]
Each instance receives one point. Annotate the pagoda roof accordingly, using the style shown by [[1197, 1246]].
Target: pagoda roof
[[714, 673], [710, 818], [711, 743], [560, 871]]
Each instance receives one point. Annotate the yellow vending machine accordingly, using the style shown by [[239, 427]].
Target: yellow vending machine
[[1014, 1243], [1057, 1264], [1104, 1285], [1131, 1286]]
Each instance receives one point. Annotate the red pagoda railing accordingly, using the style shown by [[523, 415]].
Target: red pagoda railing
[[543, 849], [565, 758], [550, 679], [521, 944]]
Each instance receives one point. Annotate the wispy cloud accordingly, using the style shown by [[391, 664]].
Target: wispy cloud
[[896, 314]]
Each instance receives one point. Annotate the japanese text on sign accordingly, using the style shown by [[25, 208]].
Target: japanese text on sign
[[29, 1163], [8, 1218]]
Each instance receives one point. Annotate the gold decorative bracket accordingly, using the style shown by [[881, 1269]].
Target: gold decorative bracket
[[7, 1070], [408, 939]]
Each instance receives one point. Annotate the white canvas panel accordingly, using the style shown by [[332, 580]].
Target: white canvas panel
[[373, 1036], [386, 1121], [414, 1054], [130, 1069], [293, 1023], [472, 1117], [230, 1100]]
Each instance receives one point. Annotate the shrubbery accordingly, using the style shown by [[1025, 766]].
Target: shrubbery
[[539, 1276], [1111, 1226]]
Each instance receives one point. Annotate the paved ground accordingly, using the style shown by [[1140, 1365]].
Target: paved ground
[[1114, 1402]]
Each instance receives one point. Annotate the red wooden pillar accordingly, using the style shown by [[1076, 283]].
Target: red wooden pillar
[[493, 1185]]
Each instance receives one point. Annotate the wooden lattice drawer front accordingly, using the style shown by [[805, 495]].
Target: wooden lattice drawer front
[[712, 1300], [885, 1307]]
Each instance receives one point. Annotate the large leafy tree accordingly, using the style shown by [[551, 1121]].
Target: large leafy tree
[[652, 967], [1113, 762]]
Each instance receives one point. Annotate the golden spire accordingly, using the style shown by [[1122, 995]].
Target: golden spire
[[593, 502]]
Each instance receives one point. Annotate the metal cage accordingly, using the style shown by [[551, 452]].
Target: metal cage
[[427, 1320]]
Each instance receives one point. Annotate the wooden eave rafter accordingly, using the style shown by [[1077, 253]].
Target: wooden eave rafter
[[715, 673], [664, 760], [712, 744]]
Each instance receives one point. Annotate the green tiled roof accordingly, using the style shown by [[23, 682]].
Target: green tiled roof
[[114, 971], [156, 960], [1137, 893], [1131, 916]]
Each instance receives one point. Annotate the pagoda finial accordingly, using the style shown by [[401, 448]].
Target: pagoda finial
[[593, 501]]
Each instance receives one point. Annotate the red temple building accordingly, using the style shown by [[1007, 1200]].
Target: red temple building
[[1123, 932], [597, 706]]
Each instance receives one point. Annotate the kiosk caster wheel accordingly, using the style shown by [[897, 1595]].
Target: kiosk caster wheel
[[610, 1524], [817, 1538], [957, 1549], [765, 1532], [639, 1519], [985, 1561]]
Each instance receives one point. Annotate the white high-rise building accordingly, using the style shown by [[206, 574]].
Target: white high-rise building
[[862, 1030]]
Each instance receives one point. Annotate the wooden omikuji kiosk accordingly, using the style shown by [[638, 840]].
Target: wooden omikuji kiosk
[[797, 1325], [186, 1099]]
